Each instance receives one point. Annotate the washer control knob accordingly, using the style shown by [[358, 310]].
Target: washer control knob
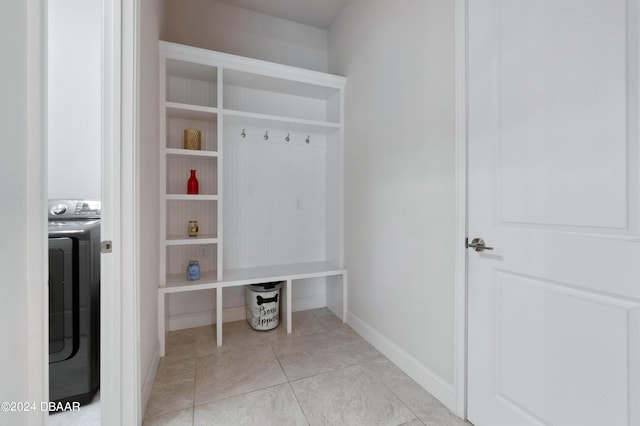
[[58, 209]]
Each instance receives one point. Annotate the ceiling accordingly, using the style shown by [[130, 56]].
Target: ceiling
[[317, 13]]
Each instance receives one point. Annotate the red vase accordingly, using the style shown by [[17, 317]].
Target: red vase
[[192, 183]]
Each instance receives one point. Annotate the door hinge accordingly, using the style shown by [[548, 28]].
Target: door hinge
[[466, 243], [106, 246]]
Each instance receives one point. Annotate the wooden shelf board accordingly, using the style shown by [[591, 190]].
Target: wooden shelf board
[[178, 152], [243, 276], [185, 240], [275, 121], [195, 71], [281, 272], [177, 283], [191, 197], [192, 112]]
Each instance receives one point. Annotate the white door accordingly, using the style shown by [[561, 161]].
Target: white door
[[554, 308]]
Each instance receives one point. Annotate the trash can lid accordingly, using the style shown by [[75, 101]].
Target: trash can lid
[[262, 287]]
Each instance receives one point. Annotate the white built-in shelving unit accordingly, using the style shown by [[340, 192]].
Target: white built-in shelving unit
[[270, 172]]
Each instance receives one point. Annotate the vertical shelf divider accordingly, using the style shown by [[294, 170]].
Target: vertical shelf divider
[[220, 100], [162, 258]]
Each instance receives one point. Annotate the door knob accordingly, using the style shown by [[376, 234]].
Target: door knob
[[478, 245]]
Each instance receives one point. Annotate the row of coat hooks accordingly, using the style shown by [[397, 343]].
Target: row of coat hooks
[[266, 136]]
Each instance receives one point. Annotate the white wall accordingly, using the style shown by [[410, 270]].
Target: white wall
[[148, 158], [213, 25], [23, 225], [398, 58], [74, 105]]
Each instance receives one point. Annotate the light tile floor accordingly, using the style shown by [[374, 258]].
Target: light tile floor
[[322, 374], [87, 415]]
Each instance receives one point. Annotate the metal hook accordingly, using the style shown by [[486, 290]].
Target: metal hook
[[266, 135], [287, 138], [243, 134], [307, 140]]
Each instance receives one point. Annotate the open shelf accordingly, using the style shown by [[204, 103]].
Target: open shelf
[[243, 276], [191, 83], [191, 197], [281, 97], [191, 70], [281, 272], [179, 152], [279, 122], [179, 117], [285, 86], [178, 172], [184, 240], [191, 112], [179, 282]]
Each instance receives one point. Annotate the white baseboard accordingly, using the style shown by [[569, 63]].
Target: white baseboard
[[149, 378], [191, 320], [204, 318], [306, 303], [431, 382], [236, 313]]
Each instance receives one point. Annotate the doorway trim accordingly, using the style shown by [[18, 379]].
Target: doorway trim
[[460, 292], [36, 234], [120, 393]]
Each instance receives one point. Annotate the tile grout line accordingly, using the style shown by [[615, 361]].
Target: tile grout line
[[195, 385], [289, 381], [145, 418], [166, 360], [240, 394], [295, 396], [194, 355], [253, 390], [402, 402]]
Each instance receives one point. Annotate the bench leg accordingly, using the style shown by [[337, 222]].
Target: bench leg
[[219, 316], [162, 333], [288, 308]]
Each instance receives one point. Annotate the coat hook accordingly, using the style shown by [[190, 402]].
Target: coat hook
[[307, 140], [287, 138], [266, 135], [243, 134]]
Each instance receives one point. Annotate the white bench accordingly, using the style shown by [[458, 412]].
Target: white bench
[[336, 289]]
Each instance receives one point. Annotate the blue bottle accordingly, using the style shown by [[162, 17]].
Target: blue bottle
[[193, 270]]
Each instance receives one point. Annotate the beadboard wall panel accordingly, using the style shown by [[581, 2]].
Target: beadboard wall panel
[[178, 257], [177, 125], [275, 194], [178, 175], [265, 102], [181, 212], [189, 91]]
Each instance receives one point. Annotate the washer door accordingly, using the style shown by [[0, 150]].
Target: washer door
[[63, 299]]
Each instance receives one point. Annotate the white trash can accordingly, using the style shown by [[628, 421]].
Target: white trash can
[[263, 305]]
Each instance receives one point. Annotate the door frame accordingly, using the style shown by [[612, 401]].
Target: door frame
[[461, 165], [120, 395], [36, 233], [119, 375]]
